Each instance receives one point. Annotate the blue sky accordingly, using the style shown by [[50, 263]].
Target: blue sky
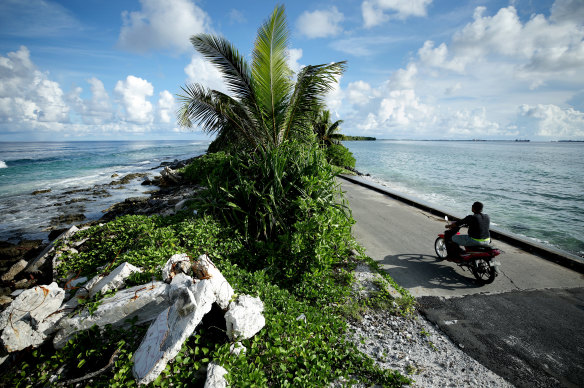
[[417, 69]]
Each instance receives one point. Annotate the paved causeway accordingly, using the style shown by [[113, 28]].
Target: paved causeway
[[527, 325]]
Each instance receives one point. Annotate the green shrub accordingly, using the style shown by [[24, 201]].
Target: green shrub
[[286, 204], [339, 155], [205, 166]]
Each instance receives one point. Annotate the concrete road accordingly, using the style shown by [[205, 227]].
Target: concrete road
[[526, 326], [401, 239]]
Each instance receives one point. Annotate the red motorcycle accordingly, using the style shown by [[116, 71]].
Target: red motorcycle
[[480, 260]]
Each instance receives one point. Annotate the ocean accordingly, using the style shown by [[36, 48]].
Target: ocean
[[68, 170], [533, 189]]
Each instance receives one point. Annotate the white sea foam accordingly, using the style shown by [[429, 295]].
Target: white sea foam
[[3, 164]]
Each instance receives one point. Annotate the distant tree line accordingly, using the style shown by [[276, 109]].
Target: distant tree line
[[349, 138]]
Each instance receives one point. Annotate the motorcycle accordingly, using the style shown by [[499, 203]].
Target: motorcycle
[[480, 260]]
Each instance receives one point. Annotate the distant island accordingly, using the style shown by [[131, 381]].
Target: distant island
[[352, 138]]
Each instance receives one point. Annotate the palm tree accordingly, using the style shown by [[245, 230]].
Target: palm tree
[[325, 130], [265, 107]]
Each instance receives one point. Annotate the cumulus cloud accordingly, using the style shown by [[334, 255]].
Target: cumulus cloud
[[376, 12], [538, 46], [334, 98], [294, 56], [27, 94], [166, 107], [203, 72], [554, 122], [133, 92], [567, 10], [162, 24], [360, 93], [320, 23], [470, 123]]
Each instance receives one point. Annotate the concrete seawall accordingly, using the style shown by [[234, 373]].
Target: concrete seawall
[[558, 256]]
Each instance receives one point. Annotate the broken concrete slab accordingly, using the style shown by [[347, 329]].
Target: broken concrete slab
[[36, 303], [215, 376], [179, 263], [203, 268], [18, 267], [244, 317], [166, 335], [20, 335], [114, 280], [32, 309], [144, 301], [180, 281]]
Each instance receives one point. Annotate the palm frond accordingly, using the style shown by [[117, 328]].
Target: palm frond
[[270, 72], [312, 84], [230, 63], [216, 113]]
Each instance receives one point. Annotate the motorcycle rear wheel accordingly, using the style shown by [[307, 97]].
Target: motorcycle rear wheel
[[483, 271], [440, 248]]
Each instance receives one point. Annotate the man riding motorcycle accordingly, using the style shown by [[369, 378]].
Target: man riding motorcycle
[[478, 228]]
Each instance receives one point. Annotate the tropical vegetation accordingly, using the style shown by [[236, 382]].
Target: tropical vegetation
[[266, 107], [271, 216]]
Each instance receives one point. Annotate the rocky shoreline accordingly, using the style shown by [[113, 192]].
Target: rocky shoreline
[[168, 194]]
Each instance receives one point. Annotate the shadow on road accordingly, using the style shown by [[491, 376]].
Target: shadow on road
[[418, 270]]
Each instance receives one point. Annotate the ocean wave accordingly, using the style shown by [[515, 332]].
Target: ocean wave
[[3, 164]]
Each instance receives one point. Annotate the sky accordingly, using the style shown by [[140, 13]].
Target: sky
[[417, 69]]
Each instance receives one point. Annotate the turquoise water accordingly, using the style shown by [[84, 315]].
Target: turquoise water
[[531, 189], [67, 166]]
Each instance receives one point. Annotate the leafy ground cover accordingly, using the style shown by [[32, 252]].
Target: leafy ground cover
[[297, 265]]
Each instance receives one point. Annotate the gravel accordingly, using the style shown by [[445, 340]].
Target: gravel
[[414, 346]]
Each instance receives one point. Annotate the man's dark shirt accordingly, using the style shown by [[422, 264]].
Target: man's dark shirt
[[478, 225]]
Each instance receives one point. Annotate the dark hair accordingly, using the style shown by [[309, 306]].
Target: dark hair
[[478, 207]]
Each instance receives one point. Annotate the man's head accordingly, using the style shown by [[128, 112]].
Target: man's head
[[477, 207]]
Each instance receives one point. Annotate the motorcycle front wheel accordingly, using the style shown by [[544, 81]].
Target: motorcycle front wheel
[[483, 271], [440, 248]]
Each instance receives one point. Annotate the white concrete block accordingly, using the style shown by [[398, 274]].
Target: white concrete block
[[204, 268], [166, 335], [244, 317], [144, 301], [216, 376], [114, 280]]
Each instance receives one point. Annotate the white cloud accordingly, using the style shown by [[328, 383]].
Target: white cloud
[[374, 11], [162, 24], [294, 56], [536, 47], [99, 109], [203, 72], [133, 92], [568, 10], [404, 79], [470, 124], [320, 23], [28, 94], [402, 108], [554, 122], [166, 107], [360, 93], [334, 98]]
